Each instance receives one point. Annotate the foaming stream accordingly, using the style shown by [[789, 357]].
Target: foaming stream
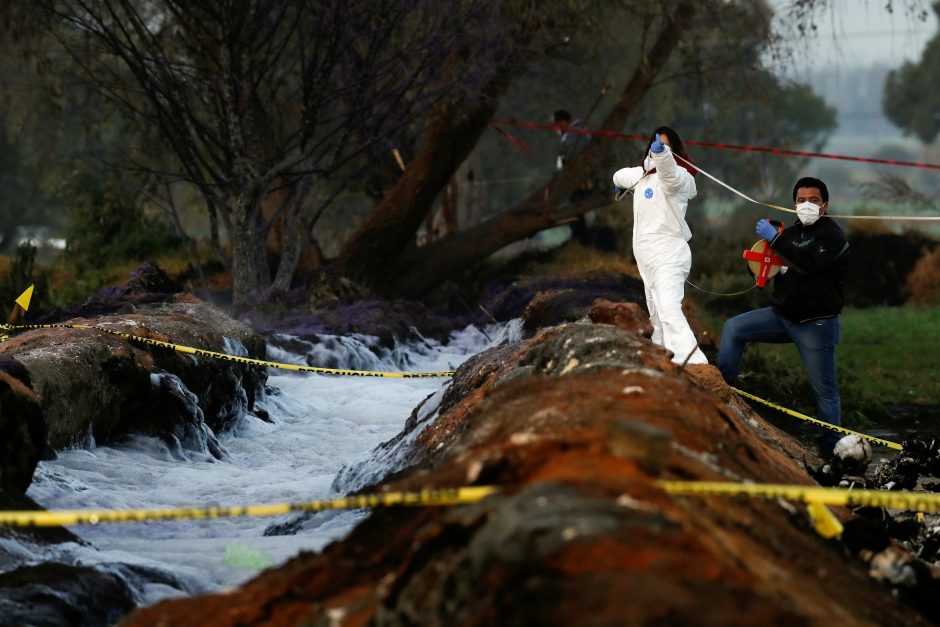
[[318, 425]]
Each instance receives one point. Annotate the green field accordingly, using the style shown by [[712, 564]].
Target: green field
[[895, 351], [888, 356]]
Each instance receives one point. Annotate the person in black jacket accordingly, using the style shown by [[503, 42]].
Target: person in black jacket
[[806, 301]]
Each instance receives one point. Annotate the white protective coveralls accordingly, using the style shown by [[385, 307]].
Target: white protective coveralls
[[660, 245]]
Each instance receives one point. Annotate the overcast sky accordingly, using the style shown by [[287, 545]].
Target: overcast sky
[[861, 32]]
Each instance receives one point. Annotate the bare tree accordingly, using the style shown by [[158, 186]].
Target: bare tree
[[256, 98]]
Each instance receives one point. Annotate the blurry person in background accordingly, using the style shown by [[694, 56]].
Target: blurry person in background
[[570, 144]]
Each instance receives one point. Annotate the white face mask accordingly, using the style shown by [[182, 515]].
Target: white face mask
[[807, 212]]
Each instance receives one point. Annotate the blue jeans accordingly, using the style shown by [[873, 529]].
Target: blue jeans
[[816, 342]]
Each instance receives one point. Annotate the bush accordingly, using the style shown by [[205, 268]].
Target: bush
[[923, 283], [879, 264], [107, 224]]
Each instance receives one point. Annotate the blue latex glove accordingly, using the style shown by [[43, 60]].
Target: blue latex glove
[[619, 190], [766, 230], [657, 146]]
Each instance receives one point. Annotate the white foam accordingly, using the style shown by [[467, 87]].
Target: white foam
[[318, 425]]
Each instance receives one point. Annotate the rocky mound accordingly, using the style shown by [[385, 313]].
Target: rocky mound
[[23, 432], [97, 387]]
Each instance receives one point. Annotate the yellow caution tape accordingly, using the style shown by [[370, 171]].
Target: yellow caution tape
[[824, 521], [237, 358], [915, 501], [821, 423], [815, 496], [55, 518]]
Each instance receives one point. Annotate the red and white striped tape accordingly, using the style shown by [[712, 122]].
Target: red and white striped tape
[[746, 148], [779, 151]]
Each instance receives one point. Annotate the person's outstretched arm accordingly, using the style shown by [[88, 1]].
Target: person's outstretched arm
[[676, 181]]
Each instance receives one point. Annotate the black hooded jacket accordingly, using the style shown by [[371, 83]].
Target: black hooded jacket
[[818, 258]]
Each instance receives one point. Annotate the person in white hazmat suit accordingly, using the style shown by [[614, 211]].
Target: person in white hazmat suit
[[661, 191]]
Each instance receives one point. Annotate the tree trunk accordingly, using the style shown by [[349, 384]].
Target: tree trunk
[[452, 133], [472, 195], [250, 275], [288, 235], [293, 239], [423, 268], [214, 241]]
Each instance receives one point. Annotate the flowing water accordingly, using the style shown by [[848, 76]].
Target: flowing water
[[318, 425]]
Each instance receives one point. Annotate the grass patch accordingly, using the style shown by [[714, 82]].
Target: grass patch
[[71, 286], [896, 348]]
